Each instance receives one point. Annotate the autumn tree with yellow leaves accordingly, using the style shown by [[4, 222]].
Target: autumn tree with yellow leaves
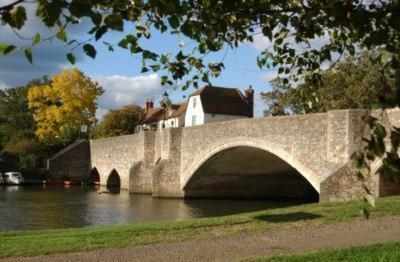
[[61, 106]]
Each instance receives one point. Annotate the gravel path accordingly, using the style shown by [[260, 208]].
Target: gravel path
[[234, 248]]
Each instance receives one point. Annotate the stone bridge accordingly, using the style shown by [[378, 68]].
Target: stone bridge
[[287, 156]]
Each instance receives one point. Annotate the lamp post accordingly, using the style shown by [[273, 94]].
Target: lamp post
[[164, 106]]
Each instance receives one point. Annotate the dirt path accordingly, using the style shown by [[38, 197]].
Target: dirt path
[[227, 249]]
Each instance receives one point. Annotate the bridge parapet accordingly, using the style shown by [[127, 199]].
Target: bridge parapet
[[318, 146], [122, 154]]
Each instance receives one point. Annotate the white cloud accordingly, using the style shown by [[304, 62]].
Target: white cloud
[[122, 90]]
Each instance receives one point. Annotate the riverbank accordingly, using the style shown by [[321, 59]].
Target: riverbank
[[40, 242], [389, 251]]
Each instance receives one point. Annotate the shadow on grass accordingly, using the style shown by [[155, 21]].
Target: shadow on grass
[[288, 217]]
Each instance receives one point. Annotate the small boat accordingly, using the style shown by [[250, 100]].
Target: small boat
[[53, 182], [71, 182], [13, 178]]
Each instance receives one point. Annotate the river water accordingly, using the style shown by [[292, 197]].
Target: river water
[[38, 207]]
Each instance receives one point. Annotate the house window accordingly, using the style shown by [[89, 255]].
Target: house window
[[193, 120], [194, 102], [172, 123]]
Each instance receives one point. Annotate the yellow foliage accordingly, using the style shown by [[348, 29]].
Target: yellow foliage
[[61, 106]]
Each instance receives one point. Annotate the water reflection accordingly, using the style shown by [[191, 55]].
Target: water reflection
[[36, 207]]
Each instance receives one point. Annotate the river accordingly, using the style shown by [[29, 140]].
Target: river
[[38, 207]]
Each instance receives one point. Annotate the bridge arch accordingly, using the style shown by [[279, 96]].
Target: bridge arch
[[273, 152], [113, 179], [94, 176]]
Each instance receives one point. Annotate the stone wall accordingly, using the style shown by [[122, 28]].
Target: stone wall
[[341, 183], [166, 174], [71, 163], [317, 146], [299, 140], [131, 156]]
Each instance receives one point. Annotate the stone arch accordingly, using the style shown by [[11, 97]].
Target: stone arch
[[274, 150], [94, 176], [114, 179]]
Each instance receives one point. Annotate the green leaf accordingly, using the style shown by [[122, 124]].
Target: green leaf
[[395, 139], [164, 80], [36, 39], [267, 32], [9, 49], [18, 17], [71, 58], [380, 131], [155, 68], [28, 54], [173, 21], [62, 35], [2, 47], [90, 50], [100, 32], [80, 8], [115, 22], [96, 18], [123, 43], [49, 12]]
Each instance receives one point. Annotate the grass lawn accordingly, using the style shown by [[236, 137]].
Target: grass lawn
[[37, 242], [380, 252]]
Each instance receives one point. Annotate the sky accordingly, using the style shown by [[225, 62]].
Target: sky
[[118, 72]]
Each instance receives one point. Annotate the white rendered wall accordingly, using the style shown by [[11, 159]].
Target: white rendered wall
[[210, 118], [194, 111], [172, 122]]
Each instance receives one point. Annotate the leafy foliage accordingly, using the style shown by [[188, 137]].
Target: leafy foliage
[[119, 122], [356, 82], [22, 147], [376, 150], [61, 106], [341, 27], [16, 119]]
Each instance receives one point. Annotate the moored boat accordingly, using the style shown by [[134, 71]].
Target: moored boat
[[13, 178], [53, 182]]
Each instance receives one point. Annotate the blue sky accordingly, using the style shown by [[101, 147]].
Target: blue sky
[[119, 71]]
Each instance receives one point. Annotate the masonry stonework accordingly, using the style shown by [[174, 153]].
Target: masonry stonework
[[71, 163], [317, 146]]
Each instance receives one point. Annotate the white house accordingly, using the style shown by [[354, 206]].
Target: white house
[[216, 104], [175, 117], [157, 118], [206, 105]]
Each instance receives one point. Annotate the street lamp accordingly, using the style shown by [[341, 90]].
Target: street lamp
[[164, 106]]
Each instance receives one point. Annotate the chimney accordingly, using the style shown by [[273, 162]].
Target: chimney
[[149, 104], [249, 95]]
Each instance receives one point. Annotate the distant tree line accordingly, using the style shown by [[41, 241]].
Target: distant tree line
[[45, 115], [355, 82]]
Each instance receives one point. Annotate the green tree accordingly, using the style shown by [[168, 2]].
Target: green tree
[[120, 122], [356, 82], [16, 119]]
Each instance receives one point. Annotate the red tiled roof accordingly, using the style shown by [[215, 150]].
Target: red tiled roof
[[222, 100], [153, 115], [180, 111], [156, 114]]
